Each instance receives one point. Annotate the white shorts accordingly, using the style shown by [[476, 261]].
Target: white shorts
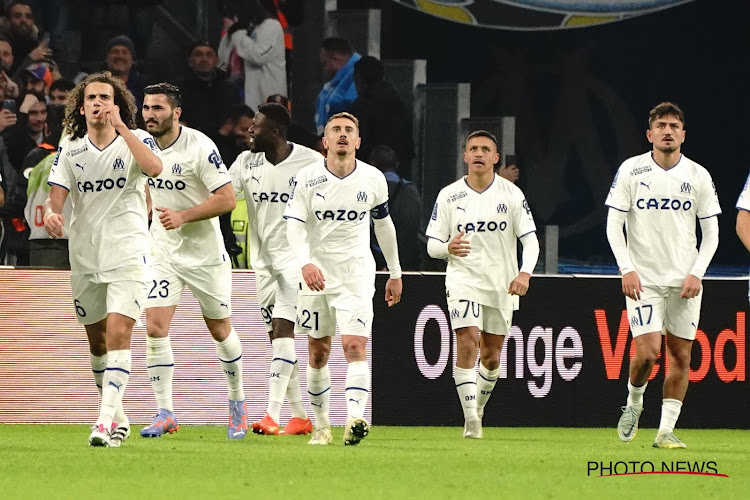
[[318, 315], [661, 309], [488, 319], [121, 291], [211, 286], [277, 296]]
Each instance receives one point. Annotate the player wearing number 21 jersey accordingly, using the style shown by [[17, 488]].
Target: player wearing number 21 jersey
[[188, 250], [475, 224], [658, 196]]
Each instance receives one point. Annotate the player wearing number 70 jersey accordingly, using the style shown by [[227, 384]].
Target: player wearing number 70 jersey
[[658, 196], [475, 224], [188, 250]]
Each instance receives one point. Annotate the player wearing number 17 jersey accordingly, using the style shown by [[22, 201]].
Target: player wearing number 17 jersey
[[475, 224], [658, 196], [101, 163], [188, 250], [266, 175], [328, 227]]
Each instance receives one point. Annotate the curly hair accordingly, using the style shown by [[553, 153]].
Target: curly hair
[[74, 122]]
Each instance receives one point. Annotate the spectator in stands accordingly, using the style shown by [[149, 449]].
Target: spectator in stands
[[339, 91], [233, 135], [297, 133], [11, 209], [119, 58], [258, 38], [58, 91], [45, 251], [23, 36], [8, 117], [37, 78], [405, 206], [383, 118], [508, 171], [6, 64], [29, 129], [207, 94]]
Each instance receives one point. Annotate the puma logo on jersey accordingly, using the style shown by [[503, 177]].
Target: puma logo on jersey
[[647, 185], [256, 179], [461, 208], [362, 321], [80, 166], [321, 195]]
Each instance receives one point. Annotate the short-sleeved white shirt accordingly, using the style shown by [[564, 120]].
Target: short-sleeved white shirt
[[192, 171], [109, 225], [267, 188], [662, 206], [743, 202], [336, 213], [493, 220]]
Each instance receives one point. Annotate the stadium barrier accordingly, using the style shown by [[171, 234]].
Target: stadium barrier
[[565, 363]]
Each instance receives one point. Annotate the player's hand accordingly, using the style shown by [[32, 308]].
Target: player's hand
[[111, 113], [691, 288], [458, 246], [520, 285], [169, 218], [313, 277], [393, 289], [7, 119], [631, 285], [54, 224]]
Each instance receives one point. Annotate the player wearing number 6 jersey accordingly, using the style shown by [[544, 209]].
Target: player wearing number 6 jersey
[[475, 224], [328, 227], [658, 196], [101, 163], [188, 250], [266, 175]]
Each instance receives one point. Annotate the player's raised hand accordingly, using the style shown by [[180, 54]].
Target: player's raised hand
[[313, 277], [54, 224], [112, 113], [520, 285], [458, 246], [691, 287], [393, 290], [631, 285], [169, 218]]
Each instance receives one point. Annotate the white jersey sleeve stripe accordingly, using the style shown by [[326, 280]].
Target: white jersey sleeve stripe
[[56, 184]]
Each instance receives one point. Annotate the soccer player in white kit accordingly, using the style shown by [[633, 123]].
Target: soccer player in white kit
[[475, 224], [743, 217], [657, 196], [328, 227], [188, 250], [101, 163], [266, 175]]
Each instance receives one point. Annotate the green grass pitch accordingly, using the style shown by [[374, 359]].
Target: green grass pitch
[[54, 461]]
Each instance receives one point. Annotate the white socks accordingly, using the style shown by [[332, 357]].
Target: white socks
[[466, 385], [230, 354], [282, 365], [486, 380], [670, 412], [357, 388], [635, 395], [294, 394], [113, 385], [160, 364], [319, 394]]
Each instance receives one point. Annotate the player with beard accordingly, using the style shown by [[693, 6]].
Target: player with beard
[[101, 163], [266, 175], [658, 196], [188, 250]]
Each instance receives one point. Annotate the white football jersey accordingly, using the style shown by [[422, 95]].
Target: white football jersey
[[662, 207], [493, 221], [266, 188], [192, 171], [743, 202], [336, 213], [109, 225]]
